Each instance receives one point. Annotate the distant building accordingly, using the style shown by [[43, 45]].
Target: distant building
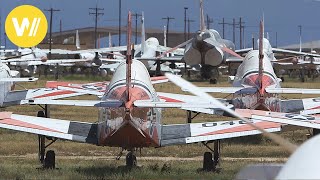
[[66, 39]]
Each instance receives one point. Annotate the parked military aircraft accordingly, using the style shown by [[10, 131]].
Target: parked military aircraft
[[256, 86], [208, 49], [130, 118]]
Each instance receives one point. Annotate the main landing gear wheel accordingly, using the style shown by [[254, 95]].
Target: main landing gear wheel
[[50, 160], [131, 160], [213, 81], [211, 161], [207, 161]]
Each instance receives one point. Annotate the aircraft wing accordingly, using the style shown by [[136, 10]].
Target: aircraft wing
[[292, 91], [62, 129], [165, 59], [283, 118], [96, 88], [57, 61], [187, 102], [178, 51], [226, 90], [208, 131], [277, 50], [110, 66], [20, 96]]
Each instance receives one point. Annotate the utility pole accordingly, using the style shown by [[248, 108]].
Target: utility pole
[[136, 15], [223, 27], [168, 21], [276, 39], [234, 30], [189, 21], [300, 34], [5, 40], [96, 13], [61, 39], [119, 22], [51, 10], [241, 27], [185, 23], [209, 21], [0, 32]]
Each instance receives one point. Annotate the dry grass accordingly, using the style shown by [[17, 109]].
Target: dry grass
[[16, 143]]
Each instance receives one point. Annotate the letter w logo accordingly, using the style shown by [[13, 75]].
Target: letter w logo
[[25, 25]]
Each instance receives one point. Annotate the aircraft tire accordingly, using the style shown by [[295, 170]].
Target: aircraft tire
[[41, 114], [50, 160], [131, 160], [207, 161]]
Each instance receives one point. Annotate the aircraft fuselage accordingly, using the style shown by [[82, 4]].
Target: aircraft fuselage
[[134, 127], [254, 95]]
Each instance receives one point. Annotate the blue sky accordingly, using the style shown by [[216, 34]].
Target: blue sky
[[281, 16]]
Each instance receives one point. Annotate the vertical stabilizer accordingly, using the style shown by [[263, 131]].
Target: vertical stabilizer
[[77, 40], [143, 34], [261, 56], [202, 23], [110, 40], [129, 58]]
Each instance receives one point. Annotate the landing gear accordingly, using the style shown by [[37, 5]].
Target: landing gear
[[47, 159], [213, 81], [210, 72], [315, 132], [211, 159], [190, 117], [131, 159]]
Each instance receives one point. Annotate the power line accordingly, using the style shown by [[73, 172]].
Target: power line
[[168, 21], [96, 13]]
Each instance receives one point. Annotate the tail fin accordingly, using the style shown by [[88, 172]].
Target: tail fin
[[143, 34], [110, 40], [164, 36], [202, 23], [261, 55], [77, 40], [129, 58]]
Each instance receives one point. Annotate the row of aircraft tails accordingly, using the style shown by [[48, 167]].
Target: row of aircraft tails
[[130, 109]]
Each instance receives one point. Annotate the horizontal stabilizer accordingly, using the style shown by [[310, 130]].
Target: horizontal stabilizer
[[85, 103], [149, 103], [31, 79], [227, 90]]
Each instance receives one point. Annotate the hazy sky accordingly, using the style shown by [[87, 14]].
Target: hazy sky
[[281, 16]]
